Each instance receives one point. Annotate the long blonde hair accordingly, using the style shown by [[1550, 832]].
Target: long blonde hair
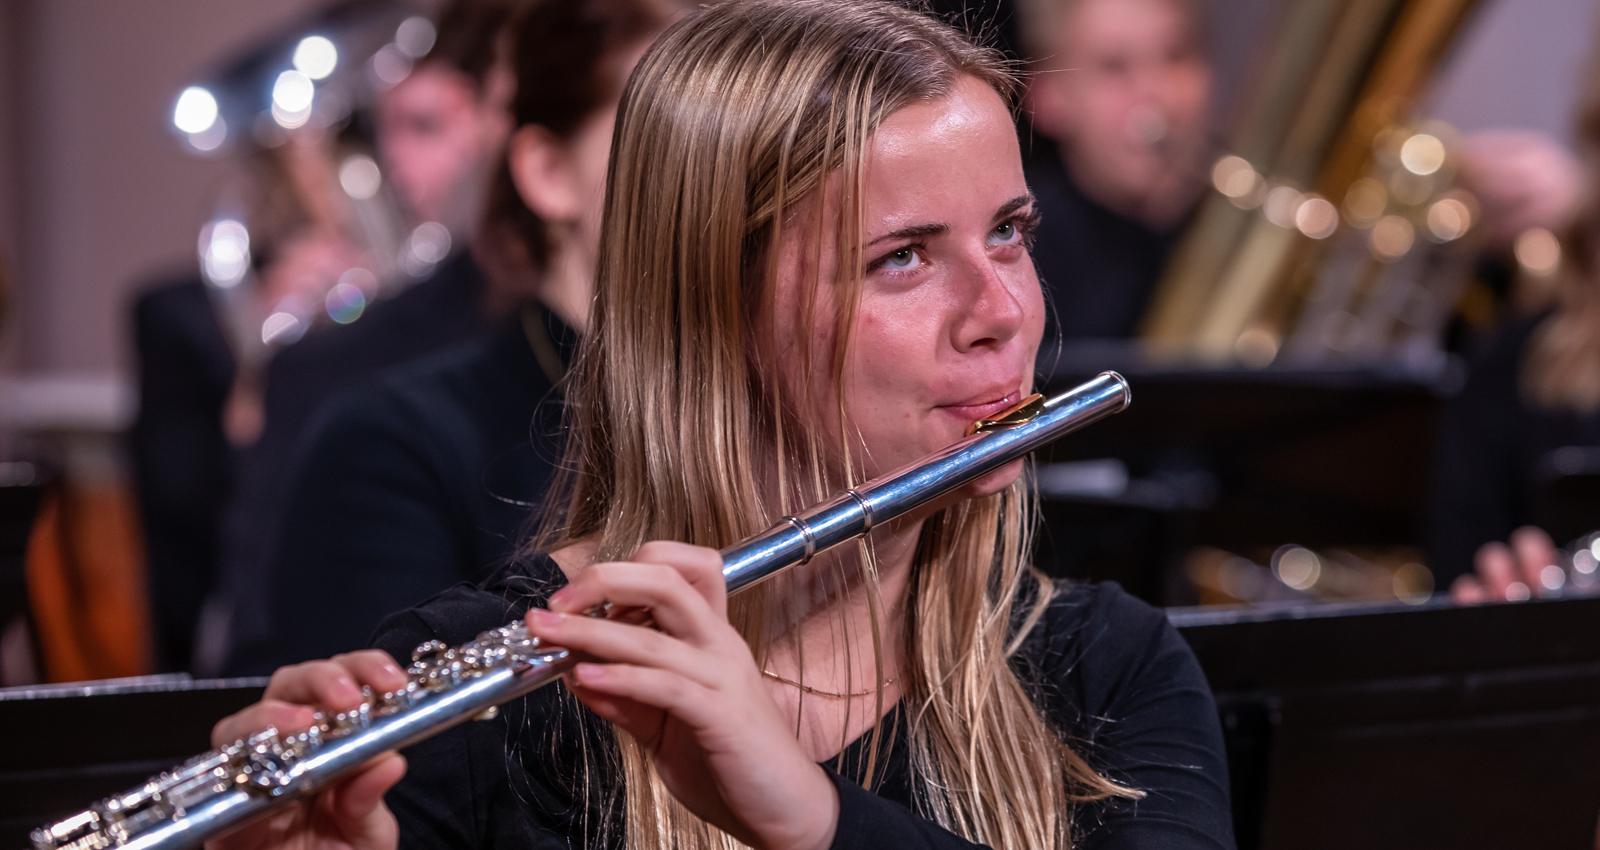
[[679, 428]]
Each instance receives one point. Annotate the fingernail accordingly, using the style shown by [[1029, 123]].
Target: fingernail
[[348, 687], [558, 600], [589, 673], [544, 621]]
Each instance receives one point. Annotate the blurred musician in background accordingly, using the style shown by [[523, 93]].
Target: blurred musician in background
[[1534, 385], [438, 128], [198, 405], [426, 479], [1123, 89]]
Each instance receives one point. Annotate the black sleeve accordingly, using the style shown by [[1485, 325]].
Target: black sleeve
[[1119, 681], [371, 522], [1143, 716], [1475, 484], [511, 781], [461, 787], [869, 822]]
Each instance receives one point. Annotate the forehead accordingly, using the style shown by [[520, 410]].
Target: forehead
[[955, 152], [1103, 24]]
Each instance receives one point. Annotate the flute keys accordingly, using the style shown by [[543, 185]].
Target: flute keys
[[429, 651]]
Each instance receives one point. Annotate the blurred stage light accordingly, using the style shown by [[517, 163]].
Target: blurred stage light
[[224, 252], [1316, 217], [1281, 205], [1297, 567], [1448, 219], [415, 37], [1392, 237], [292, 95], [196, 111], [344, 303], [1422, 154], [282, 328], [360, 177], [389, 66], [210, 138], [1365, 202], [1538, 251], [316, 57]]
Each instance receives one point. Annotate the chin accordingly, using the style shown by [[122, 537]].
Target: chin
[[994, 482]]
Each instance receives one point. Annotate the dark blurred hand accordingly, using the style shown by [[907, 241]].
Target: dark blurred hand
[[1507, 573]]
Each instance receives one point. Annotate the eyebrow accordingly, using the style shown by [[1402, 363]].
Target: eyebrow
[[922, 231]]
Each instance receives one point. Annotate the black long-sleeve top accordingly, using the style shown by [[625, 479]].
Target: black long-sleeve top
[[1108, 671], [1488, 456], [428, 478], [445, 310], [182, 462]]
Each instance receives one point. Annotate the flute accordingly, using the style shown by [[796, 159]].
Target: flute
[[215, 793]]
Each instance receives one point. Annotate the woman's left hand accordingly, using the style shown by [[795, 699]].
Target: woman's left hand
[[690, 692]]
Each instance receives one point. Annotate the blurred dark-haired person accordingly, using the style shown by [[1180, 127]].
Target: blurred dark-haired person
[[440, 133], [200, 389], [426, 478], [1123, 90]]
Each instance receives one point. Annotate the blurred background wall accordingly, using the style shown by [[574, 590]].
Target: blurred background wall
[[1519, 64], [95, 195]]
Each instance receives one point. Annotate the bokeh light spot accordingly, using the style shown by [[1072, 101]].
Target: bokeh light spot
[[316, 57]]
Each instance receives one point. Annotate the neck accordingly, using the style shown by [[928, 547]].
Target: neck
[[567, 286], [833, 592]]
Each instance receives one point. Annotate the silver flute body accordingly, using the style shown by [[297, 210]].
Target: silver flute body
[[217, 792]]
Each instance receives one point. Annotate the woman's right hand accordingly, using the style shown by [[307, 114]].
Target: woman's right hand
[[350, 813]]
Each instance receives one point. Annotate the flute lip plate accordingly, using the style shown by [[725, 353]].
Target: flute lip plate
[[1022, 411]]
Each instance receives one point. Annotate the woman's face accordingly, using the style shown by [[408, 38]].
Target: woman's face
[[950, 311]]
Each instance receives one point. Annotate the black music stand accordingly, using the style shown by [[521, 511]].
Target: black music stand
[[68, 746], [1240, 459], [1385, 726]]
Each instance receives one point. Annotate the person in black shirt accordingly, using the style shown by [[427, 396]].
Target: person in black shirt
[[430, 477], [440, 131], [183, 463], [815, 271], [1121, 93]]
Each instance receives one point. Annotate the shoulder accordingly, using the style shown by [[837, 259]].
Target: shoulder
[[411, 394], [1117, 680], [464, 611], [1095, 648], [168, 298], [1082, 618], [175, 310]]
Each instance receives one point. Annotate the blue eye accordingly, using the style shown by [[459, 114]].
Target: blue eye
[[1006, 231]]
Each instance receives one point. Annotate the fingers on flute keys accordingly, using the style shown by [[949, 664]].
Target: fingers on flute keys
[[296, 692], [659, 574]]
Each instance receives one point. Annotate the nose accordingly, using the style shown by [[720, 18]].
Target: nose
[[992, 311]]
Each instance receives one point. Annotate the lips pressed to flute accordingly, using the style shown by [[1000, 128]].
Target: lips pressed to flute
[[219, 791]]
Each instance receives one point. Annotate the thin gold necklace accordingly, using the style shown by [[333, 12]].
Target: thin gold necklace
[[822, 693]]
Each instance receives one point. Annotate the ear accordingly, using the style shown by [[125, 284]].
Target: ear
[[542, 170]]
